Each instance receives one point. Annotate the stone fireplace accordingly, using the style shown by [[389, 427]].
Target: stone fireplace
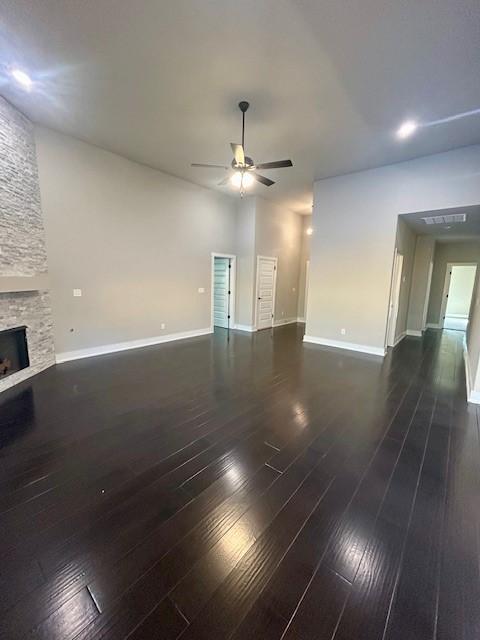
[[24, 295]]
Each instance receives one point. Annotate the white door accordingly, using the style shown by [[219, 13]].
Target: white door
[[394, 298], [221, 292], [266, 279]]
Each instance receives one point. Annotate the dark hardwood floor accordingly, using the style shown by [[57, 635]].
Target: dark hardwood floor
[[250, 487]]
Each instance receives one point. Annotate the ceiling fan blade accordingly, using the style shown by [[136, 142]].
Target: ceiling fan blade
[[266, 181], [274, 165], [209, 166], [238, 153]]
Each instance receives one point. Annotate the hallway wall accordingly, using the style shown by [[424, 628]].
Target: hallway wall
[[304, 256], [420, 292], [355, 218], [405, 244]]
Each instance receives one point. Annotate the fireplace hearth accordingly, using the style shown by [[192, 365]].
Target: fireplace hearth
[[13, 351]]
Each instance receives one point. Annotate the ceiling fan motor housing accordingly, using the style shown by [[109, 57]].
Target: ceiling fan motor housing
[[248, 163]]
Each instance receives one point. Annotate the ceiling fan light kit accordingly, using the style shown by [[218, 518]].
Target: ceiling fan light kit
[[244, 169]]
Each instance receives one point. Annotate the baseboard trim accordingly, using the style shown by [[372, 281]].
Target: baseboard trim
[[414, 332], [102, 350], [349, 346], [474, 397], [400, 338], [301, 320], [244, 327], [467, 371], [433, 325], [280, 323]]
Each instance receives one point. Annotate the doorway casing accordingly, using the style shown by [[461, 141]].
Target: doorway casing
[[232, 286], [446, 288], [394, 298]]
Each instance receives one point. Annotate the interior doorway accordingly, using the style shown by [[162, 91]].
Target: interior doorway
[[457, 295], [265, 292], [394, 298], [223, 290]]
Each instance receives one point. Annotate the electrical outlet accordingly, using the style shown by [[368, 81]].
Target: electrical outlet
[[162, 326], [77, 293], [343, 332], [201, 290]]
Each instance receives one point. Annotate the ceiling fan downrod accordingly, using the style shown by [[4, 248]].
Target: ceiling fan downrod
[[243, 106]]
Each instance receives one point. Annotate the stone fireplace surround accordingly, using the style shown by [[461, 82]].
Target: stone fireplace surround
[[24, 295]]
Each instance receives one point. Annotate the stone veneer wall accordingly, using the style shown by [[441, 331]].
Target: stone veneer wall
[[22, 241]]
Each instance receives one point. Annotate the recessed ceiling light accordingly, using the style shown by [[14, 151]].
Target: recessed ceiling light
[[309, 231], [407, 129], [22, 78]]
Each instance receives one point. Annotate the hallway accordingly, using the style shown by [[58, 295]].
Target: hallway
[[250, 487]]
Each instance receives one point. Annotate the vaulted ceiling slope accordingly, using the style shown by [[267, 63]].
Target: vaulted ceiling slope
[[329, 82]]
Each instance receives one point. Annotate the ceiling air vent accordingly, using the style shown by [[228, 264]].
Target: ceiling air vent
[[456, 217]]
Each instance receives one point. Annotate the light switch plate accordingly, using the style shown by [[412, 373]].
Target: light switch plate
[[201, 290], [77, 293]]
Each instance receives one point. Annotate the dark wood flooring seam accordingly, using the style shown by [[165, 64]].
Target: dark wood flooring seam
[[410, 517], [353, 497], [442, 533]]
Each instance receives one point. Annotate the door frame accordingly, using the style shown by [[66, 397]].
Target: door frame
[[427, 295], [275, 260], [307, 280], [446, 287], [393, 304], [232, 285]]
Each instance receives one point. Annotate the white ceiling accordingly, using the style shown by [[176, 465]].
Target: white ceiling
[[329, 81]]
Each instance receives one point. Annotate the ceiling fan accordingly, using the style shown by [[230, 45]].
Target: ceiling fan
[[244, 169]]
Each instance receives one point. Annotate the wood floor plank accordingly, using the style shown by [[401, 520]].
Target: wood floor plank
[[368, 607], [458, 603], [318, 613], [223, 487], [233, 598]]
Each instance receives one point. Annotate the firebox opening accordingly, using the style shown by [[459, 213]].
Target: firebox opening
[[13, 351]]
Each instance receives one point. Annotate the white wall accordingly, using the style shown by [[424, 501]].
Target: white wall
[[135, 240], [245, 250], [355, 218], [304, 257], [405, 245], [420, 290], [473, 345], [278, 233]]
